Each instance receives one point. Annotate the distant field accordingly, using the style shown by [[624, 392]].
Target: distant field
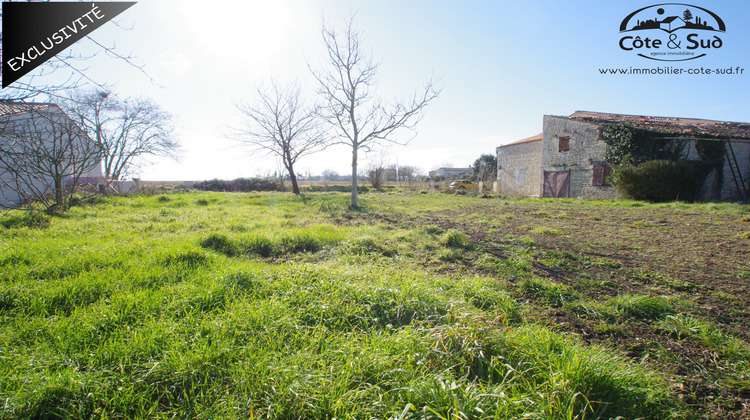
[[419, 305]]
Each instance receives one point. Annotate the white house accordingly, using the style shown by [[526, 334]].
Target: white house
[[43, 152], [452, 172], [671, 23]]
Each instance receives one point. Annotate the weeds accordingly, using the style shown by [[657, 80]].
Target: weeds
[[267, 246], [684, 326], [553, 293], [641, 306], [31, 218], [455, 239], [546, 231]]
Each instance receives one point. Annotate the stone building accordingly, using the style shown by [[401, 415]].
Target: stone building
[[518, 167], [569, 158]]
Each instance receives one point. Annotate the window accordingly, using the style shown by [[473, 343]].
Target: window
[[563, 144], [601, 172]]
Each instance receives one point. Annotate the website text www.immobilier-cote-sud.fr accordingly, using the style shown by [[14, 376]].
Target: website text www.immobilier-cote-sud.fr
[[667, 70]]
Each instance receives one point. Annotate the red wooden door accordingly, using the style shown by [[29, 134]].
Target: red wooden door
[[556, 184]]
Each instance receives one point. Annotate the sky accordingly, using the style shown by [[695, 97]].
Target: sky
[[502, 65]]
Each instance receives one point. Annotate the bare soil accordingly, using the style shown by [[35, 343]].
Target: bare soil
[[700, 259]]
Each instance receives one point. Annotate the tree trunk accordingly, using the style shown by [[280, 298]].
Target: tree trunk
[[289, 165], [354, 178], [293, 178], [59, 190]]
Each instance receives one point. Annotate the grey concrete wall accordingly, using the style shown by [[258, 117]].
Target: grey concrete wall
[[519, 171], [8, 196], [47, 125], [585, 149]]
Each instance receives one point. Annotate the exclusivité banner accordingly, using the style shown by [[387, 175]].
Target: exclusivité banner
[[34, 32]]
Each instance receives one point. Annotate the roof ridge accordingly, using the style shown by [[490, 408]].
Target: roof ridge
[[526, 140], [675, 125], [8, 108], [594, 114]]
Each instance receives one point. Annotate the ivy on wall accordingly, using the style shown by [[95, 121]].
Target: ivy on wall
[[629, 147], [632, 145], [712, 158]]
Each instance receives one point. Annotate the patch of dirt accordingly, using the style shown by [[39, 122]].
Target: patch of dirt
[[698, 259]]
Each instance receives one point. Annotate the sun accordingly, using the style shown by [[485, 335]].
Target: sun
[[253, 29]]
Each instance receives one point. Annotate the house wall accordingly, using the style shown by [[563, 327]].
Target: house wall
[[8, 196], [9, 185], [518, 169], [728, 191], [521, 174], [454, 172], [585, 149], [48, 122]]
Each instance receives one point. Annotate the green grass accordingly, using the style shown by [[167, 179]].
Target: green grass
[[455, 239], [555, 294], [541, 230], [641, 306], [684, 326], [209, 305], [635, 306]]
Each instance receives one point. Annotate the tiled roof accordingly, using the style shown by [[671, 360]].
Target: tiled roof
[[8, 108], [526, 140], [689, 127], [13, 108]]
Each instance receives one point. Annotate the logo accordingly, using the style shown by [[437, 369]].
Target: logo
[[672, 32]]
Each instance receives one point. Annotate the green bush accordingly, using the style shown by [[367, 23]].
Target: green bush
[[656, 180], [239, 185], [338, 188]]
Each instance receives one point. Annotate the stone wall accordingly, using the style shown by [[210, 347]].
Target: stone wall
[[521, 165], [729, 190], [585, 150], [518, 169], [731, 184]]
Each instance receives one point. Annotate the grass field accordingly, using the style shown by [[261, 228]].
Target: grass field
[[217, 305]]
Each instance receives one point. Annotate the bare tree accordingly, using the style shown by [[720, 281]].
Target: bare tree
[[330, 175], [280, 124], [44, 155], [484, 168], [346, 81], [376, 170], [407, 173], [127, 131]]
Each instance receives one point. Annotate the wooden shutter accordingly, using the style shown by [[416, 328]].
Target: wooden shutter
[[563, 144], [601, 170]]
